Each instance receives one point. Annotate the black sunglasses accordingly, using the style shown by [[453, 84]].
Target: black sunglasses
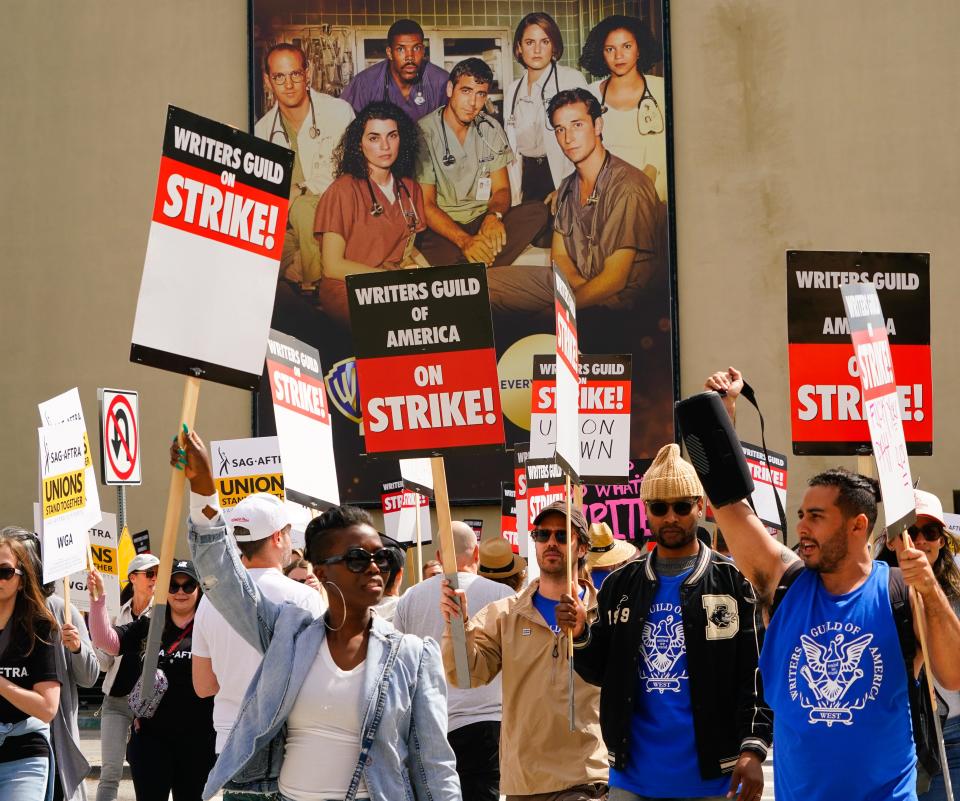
[[930, 532], [660, 508], [544, 534], [151, 573], [7, 572], [357, 560], [187, 586]]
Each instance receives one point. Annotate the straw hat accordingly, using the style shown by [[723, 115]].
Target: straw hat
[[670, 477], [498, 561], [605, 550]]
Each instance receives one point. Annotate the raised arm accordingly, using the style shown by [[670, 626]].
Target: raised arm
[[83, 660]]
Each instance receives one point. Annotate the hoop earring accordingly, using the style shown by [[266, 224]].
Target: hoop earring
[[344, 602]]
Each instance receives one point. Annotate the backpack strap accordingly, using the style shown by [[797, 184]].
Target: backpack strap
[[791, 574]]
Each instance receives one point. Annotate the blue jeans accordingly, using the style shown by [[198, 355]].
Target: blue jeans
[[619, 794], [24, 779], [951, 739]]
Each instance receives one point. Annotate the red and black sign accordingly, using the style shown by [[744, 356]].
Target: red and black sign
[[546, 483], [508, 515], [826, 400], [425, 360]]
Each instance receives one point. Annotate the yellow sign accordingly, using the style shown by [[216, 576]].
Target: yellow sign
[[64, 493], [233, 489], [126, 555], [105, 559]]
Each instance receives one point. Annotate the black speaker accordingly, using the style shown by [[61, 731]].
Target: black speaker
[[714, 448]]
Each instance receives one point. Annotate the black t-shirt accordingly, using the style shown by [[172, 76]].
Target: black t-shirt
[[129, 669], [181, 710], [26, 670]]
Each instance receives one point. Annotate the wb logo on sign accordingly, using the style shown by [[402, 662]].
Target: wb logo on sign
[[342, 388]]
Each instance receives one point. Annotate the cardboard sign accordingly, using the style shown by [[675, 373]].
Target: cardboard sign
[[66, 408], [302, 416], [881, 404], [119, 437], [219, 219], [521, 451], [567, 377], [64, 500], [242, 467], [826, 403], [104, 546], [425, 360], [400, 510], [619, 505], [545, 484], [508, 515], [417, 475], [767, 479]]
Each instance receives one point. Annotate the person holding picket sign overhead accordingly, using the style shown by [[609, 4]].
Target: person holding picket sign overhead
[[343, 707]]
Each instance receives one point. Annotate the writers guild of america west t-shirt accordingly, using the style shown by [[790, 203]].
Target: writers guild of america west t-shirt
[[663, 749], [26, 670], [833, 674]]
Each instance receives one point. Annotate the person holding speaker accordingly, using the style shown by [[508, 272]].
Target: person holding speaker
[[838, 655], [686, 623]]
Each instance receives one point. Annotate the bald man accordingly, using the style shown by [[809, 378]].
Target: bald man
[[473, 726]]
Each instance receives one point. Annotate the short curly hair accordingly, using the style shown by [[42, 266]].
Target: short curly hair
[[336, 518], [591, 57], [349, 154]]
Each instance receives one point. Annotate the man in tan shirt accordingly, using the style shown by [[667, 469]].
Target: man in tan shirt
[[540, 758]]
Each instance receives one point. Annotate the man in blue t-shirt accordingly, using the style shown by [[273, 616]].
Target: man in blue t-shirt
[[683, 622], [835, 669]]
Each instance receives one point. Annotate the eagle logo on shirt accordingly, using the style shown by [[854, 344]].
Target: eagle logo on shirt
[[663, 645]]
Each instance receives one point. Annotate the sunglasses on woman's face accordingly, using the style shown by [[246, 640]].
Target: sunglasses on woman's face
[[931, 532], [358, 560], [187, 586], [150, 574], [660, 508], [7, 572]]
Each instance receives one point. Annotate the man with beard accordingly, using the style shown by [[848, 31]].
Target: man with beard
[[683, 622], [522, 637], [838, 655]]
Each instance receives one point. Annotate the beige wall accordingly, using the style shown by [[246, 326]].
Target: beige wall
[[808, 124]]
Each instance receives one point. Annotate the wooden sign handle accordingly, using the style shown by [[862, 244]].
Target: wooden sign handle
[[171, 524], [571, 555], [448, 557], [419, 544]]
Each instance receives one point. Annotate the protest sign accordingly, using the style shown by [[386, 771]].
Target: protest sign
[[543, 408], [767, 479], [508, 515], [417, 475], [104, 548], [545, 484], [567, 397], [521, 451], [64, 499], [881, 404], [827, 408], [619, 505], [476, 525], [141, 541], [242, 467], [302, 416], [400, 513], [217, 231], [953, 523], [119, 437], [66, 408], [425, 360]]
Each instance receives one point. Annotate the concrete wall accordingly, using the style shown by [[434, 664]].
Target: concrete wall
[[810, 125]]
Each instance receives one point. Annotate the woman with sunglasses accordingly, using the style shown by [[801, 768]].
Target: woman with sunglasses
[[361, 712], [368, 217], [620, 50], [116, 716], [173, 750], [29, 687]]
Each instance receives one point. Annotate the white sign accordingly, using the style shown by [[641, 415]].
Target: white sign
[[400, 513], [767, 479], [63, 500], [104, 545], [119, 437], [417, 475], [567, 378], [66, 408]]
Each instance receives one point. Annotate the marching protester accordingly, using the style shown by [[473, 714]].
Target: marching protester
[[77, 666], [462, 169], [310, 123], [171, 746], [620, 51], [391, 591], [837, 669], [539, 165], [606, 553], [368, 218], [308, 735], [301, 571], [499, 563], [116, 717], [520, 637], [474, 715], [405, 78], [29, 685], [685, 623], [223, 662]]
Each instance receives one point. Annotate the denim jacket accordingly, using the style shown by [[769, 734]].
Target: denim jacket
[[404, 745]]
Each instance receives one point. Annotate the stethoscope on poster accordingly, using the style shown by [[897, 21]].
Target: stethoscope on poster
[[649, 116], [376, 207], [314, 131], [419, 99], [448, 159], [512, 119], [593, 200]]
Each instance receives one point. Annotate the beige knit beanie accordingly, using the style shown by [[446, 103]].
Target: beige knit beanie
[[670, 477]]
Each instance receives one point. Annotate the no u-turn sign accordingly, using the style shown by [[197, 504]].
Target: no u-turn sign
[[119, 436]]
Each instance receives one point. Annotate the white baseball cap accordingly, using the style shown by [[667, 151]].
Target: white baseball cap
[[929, 504], [260, 514]]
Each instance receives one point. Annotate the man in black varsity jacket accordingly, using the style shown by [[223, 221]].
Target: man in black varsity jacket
[[674, 651]]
